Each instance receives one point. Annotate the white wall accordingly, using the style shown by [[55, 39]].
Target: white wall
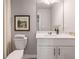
[[25, 7], [44, 19], [69, 15]]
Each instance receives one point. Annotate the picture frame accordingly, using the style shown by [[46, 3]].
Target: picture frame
[[22, 22]]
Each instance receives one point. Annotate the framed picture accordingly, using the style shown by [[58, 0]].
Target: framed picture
[[22, 22]]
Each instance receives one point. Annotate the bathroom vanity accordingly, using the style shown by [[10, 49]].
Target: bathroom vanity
[[53, 46], [52, 43]]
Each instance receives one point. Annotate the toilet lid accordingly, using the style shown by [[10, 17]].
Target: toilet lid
[[17, 54]]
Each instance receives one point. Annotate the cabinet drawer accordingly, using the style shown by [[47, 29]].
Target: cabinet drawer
[[57, 42]]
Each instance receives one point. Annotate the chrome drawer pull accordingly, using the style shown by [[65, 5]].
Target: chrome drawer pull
[[54, 51], [59, 52]]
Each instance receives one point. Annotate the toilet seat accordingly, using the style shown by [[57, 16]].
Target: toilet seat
[[17, 54]]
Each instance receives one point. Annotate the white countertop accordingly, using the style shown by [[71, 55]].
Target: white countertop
[[44, 34]]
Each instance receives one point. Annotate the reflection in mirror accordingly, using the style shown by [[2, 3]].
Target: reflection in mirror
[[50, 15]]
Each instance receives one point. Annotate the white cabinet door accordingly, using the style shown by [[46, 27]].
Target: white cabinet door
[[66, 53], [46, 53]]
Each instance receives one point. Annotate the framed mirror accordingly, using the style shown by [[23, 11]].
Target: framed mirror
[[50, 15]]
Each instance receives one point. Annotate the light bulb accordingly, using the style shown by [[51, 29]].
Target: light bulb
[[52, 1], [48, 1]]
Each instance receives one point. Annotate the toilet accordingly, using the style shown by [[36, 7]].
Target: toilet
[[20, 42]]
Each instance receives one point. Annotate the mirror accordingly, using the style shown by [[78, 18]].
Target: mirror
[[50, 15]]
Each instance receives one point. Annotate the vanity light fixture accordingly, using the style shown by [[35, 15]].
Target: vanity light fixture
[[49, 1]]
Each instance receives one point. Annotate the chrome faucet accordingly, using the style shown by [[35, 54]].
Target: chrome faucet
[[57, 30]]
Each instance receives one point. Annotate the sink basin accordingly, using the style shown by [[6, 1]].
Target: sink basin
[[45, 34]]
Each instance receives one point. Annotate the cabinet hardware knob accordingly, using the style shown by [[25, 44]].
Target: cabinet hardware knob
[[59, 52], [54, 51]]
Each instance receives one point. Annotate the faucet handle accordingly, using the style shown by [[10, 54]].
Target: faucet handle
[[50, 32]]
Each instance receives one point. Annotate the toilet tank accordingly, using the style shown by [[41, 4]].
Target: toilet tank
[[20, 42]]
